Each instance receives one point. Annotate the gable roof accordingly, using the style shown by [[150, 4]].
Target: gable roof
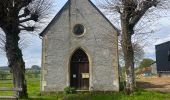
[[168, 42], [65, 7]]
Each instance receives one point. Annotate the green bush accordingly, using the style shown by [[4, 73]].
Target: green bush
[[122, 85], [69, 90]]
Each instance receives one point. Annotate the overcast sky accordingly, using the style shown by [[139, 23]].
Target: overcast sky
[[32, 54]]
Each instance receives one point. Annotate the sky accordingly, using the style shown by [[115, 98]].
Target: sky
[[32, 54]]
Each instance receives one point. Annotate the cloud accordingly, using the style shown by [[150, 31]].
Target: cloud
[[163, 35], [160, 41], [3, 60], [32, 54]]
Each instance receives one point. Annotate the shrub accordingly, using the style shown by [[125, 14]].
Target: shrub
[[69, 90]]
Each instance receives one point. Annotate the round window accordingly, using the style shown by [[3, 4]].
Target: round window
[[78, 29]]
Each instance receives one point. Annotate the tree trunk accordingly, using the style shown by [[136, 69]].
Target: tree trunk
[[15, 60], [128, 55]]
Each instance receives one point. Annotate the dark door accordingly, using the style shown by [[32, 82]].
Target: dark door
[[79, 70]]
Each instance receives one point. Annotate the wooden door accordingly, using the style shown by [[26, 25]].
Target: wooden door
[[79, 70]]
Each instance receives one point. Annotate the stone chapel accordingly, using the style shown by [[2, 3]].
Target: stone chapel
[[80, 50]]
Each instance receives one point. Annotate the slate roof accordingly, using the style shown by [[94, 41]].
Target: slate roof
[[162, 57], [163, 43]]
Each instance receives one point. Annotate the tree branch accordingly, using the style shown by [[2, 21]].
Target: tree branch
[[27, 28], [143, 7], [26, 13], [25, 20], [22, 3], [33, 17]]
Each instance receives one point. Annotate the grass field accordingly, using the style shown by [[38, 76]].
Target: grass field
[[34, 94]]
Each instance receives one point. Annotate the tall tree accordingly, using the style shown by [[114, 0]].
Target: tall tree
[[131, 12], [17, 16], [138, 54]]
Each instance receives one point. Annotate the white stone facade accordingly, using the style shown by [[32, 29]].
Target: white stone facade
[[99, 41]]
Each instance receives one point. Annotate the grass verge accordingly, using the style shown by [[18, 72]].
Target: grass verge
[[34, 94]]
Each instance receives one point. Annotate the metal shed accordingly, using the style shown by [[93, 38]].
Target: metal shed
[[163, 58]]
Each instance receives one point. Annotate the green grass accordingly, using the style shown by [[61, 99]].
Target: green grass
[[6, 83], [33, 87], [34, 94], [139, 95]]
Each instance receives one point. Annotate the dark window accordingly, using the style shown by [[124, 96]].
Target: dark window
[[169, 55], [78, 29]]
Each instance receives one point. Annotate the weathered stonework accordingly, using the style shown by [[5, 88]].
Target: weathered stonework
[[100, 42]]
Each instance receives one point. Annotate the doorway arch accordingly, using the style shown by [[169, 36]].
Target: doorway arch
[[79, 70]]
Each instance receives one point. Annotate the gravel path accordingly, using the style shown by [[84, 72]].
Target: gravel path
[[161, 84]]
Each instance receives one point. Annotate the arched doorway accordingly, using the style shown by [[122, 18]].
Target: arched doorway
[[79, 70]]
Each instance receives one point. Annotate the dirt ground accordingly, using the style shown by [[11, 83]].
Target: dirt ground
[[161, 84]]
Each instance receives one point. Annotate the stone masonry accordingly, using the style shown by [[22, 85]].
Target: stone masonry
[[99, 41]]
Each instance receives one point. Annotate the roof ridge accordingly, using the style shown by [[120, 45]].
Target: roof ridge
[[68, 3]]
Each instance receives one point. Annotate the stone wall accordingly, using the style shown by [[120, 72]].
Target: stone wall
[[99, 41]]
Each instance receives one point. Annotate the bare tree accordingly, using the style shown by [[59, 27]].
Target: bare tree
[[138, 54], [131, 14], [17, 16], [2, 43]]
